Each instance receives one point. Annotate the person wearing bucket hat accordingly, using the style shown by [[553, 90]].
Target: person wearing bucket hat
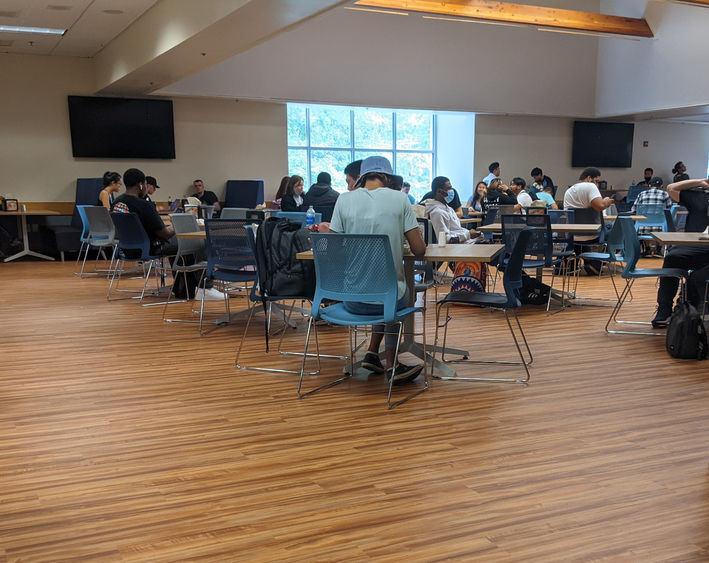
[[374, 208]]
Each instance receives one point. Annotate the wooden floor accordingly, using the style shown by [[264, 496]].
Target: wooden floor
[[126, 438]]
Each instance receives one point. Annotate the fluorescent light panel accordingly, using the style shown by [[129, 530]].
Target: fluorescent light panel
[[34, 30]]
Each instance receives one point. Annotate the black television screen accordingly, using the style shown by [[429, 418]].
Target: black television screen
[[602, 144], [121, 127]]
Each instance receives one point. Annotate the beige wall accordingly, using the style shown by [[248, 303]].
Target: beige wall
[[215, 139]]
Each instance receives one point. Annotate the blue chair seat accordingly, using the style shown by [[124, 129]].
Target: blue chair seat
[[661, 272], [338, 314]]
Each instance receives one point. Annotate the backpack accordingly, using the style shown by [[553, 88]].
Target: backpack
[[280, 273], [469, 276], [533, 292], [686, 334]]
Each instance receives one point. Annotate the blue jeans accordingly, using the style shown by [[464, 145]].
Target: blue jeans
[[358, 308]]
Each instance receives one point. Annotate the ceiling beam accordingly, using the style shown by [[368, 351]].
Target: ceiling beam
[[521, 14], [697, 2]]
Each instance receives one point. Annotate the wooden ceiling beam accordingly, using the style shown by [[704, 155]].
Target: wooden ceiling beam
[[520, 13]]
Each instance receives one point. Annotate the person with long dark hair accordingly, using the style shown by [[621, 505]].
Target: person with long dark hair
[[280, 193], [680, 172], [292, 200], [111, 185]]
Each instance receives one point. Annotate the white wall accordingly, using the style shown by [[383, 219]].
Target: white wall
[[669, 71], [455, 148], [215, 139], [379, 60]]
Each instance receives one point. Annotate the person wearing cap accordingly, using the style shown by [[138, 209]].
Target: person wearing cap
[[374, 208], [322, 197], [205, 196], [151, 185], [494, 169], [443, 218], [654, 194]]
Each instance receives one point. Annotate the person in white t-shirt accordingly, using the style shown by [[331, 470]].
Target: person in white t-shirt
[[585, 193], [524, 200], [372, 207]]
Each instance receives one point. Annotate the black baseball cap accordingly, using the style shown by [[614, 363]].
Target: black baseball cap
[[152, 181], [656, 181]]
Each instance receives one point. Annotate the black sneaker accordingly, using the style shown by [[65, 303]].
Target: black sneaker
[[404, 373], [372, 362], [591, 269], [662, 318]]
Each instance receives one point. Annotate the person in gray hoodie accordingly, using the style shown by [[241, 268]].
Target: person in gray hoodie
[[322, 197], [443, 217]]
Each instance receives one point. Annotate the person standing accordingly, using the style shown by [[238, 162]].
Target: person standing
[[494, 174]]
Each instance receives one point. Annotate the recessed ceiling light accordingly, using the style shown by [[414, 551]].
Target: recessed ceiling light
[[36, 30], [113, 12], [59, 7]]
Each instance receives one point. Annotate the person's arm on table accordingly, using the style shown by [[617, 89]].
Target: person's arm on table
[[416, 243]]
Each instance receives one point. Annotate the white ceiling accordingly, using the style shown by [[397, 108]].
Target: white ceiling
[[91, 24]]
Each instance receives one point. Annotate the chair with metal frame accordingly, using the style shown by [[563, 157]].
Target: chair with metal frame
[[133, 246], [357, 268], [507, 302], [229, 260], [540, 247], [102, 233], [84, 236], [187, 249], [631, 252], [268, 301], [612, 255], [233, 213]]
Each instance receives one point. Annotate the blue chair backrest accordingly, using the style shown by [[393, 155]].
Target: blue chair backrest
[[634, 192], [679, 220], [227, 245], [512, 277], [130, 233], [351, 267], [244, 193], [87, 190], [100, 224], [670, 221], [655, 213], [631, 244], [81, 211], [301, 216]]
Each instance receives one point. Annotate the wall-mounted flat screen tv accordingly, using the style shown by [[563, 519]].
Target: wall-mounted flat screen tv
[[121, 127], [602, 144]]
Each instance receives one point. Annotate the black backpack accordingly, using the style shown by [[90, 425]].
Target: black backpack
[[280, 273], [686, 334]]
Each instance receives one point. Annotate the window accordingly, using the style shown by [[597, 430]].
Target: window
[[327, 138]]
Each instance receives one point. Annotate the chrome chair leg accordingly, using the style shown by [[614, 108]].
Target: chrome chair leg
[[311, 325]]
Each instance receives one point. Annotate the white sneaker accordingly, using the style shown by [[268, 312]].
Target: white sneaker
[[210, 294]]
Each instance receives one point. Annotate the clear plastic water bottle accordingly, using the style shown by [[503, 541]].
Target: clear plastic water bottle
[[310, 216]]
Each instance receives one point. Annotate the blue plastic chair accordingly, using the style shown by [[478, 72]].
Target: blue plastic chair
[[301, 216], [489, 219], [358, 268], [632, 253], [101, 234], [268, 301], [655, 213], [634, 192], [84, 236], [613, 254], [133, 246], [679, 220], [508, 302], [229, 258]]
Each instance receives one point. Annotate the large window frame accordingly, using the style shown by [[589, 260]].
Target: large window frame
[[310, 174]]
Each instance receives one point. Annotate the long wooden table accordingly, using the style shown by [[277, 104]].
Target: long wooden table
[[22, 228], [679, 239]]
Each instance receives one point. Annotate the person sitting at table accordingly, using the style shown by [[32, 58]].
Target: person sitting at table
[[478, 194], [111, 185], [454, 203], [292, 200], [151, 185], [162, 238], [322, 197], [694, 195], [497, 194], [524, 200], [276, 204], [541, 181], [443, 218], [547, 196], [205, 196], [373, 208]]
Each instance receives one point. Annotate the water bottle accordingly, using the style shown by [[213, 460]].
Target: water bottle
[[310, 216]]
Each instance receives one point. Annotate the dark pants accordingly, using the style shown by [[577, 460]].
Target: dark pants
[[687, 258], [390, 339]]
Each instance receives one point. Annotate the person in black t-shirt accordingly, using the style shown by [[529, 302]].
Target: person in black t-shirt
[[694, 195], [205, 196], [540, 182], [162, 238]]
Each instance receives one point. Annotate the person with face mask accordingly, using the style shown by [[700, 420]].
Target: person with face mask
[[442, 216]]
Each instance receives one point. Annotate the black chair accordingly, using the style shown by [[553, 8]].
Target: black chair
[[507, 302]]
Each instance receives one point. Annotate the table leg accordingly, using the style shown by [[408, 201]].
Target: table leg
[[22, 227]]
